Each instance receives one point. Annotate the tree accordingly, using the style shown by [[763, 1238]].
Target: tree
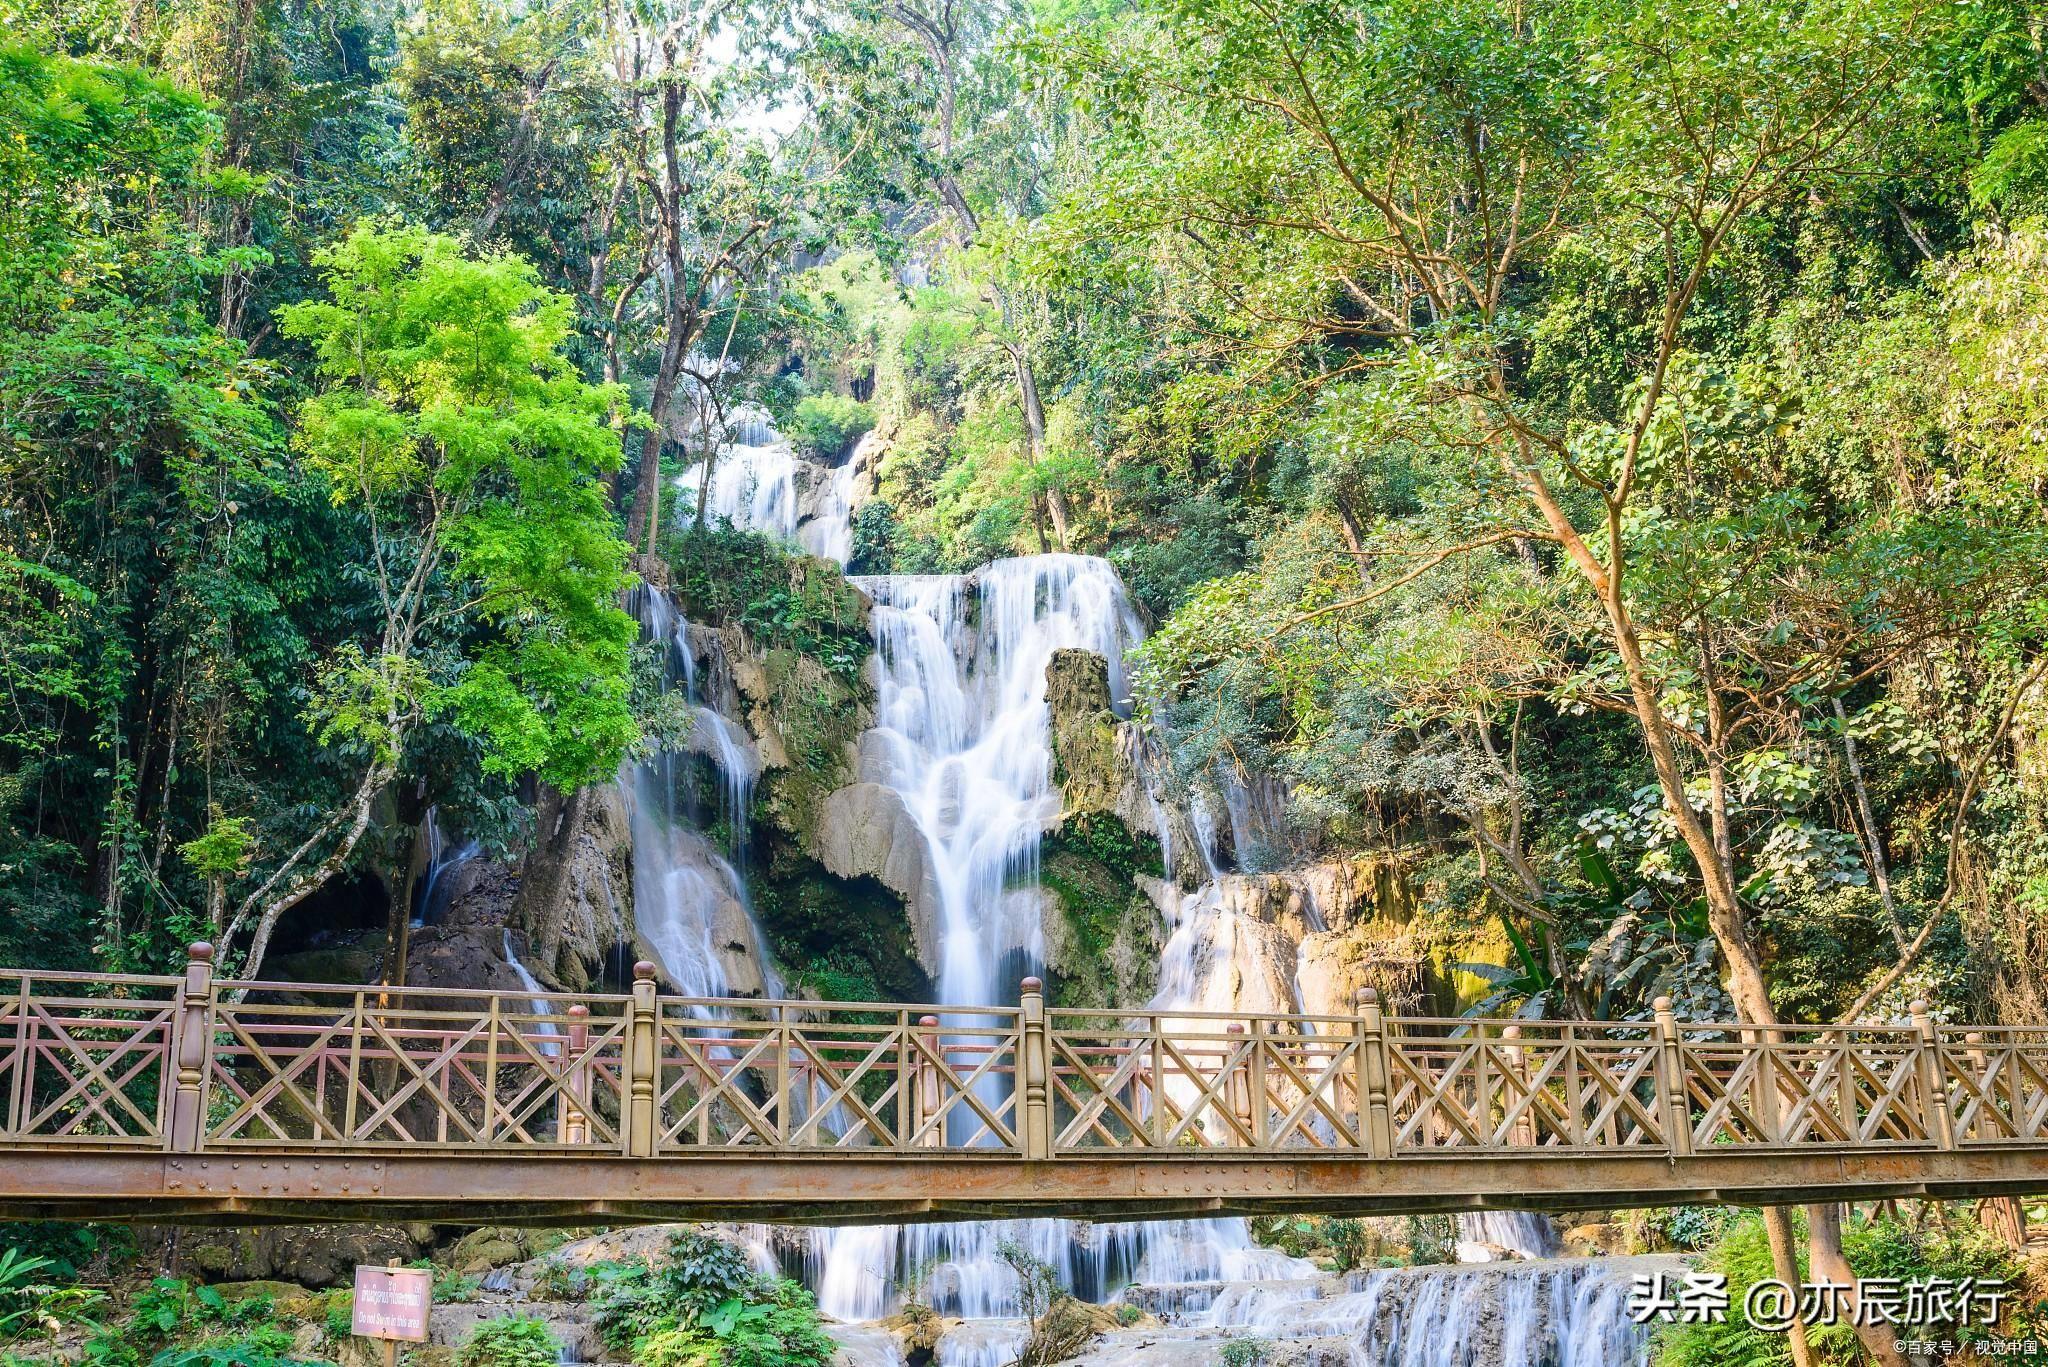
[[450, 421]]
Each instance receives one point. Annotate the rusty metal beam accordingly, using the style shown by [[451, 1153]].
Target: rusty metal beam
[[844, 1189]]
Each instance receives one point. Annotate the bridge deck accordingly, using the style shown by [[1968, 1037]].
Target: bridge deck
[[196, 1099]]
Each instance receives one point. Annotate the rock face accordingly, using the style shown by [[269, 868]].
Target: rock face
[[1329, 929], [865, 830], [575, 890], [310, 1255], [1087, 765]]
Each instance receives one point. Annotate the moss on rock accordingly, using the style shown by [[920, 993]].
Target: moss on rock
[[1103, 946], [1086, 766], [843, 939]]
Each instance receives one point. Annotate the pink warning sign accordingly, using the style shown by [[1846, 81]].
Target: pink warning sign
[[392, 1303]]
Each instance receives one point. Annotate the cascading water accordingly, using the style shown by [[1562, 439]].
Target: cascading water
[[690, 899], [444, 858], [961, 737], [1555, 1314], [759, 483], [528, 983]]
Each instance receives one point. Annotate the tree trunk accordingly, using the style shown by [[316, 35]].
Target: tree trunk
[[644, 518], [1873, 842], [1785, 1267], [2005, 1217], [1828, 1263], [1354, 538], [1034, 437]]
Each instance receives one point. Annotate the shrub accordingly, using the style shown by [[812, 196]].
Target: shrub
[[705, 1306], [341, 1314], [1249, 1351], [1432, 1239], [824, 426], [514, 1341], [874, 538]]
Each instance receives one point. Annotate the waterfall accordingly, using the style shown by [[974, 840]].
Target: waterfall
[[1555, 1314], [1519, 1233], [689, 898], [528, 983], [753, 481], [962, 737], [962, 733], [759, 483], [444, 859]]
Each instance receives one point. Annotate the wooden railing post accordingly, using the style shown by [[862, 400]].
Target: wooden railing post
[[1235, 1095], [642, 1037], [1257, 1102], [191, 1041], [1034, 1063], [925, 1097], [1933, 1077], [1671, 1081], [1375, 1119], [575, 1108], [1521, 1133]]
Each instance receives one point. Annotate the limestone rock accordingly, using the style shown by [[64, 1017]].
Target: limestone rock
[[864, 829], [1604, 1240], [575, 891], [1087, 764], [307, 1255]]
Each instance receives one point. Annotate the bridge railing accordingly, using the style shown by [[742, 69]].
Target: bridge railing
[[192, 1063]]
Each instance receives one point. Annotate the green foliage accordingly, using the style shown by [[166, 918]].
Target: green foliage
[[240, 1354], [702, 1305], [874, 538], [825, 426], [1246, 1350], [18, 1273], [724, 576], [1881, 1248], [1347, 1242], [339, 1317], [509, 1341], [1431, 1239], [452, 420]]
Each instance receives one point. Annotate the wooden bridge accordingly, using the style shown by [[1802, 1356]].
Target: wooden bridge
[[195, 1099]]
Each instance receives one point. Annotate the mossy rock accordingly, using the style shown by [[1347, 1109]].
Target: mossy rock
[[1086, 766], [481, 1250], [290, 1300], [1103, 948], [844, 939]]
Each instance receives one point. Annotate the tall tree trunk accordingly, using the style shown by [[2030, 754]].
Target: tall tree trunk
[[1034, 438], [1827, 1263], [1785, 1267], [1354, 537], [1873, 840]]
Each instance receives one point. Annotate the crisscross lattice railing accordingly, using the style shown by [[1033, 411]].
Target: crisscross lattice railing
[[193, 1064]]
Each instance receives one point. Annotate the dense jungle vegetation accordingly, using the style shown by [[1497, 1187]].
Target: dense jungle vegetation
[[1592, 449]]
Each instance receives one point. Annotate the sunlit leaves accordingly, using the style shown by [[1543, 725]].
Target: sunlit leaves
[[452, 419]]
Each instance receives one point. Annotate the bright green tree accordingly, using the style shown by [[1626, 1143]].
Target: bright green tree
[[449, 419]]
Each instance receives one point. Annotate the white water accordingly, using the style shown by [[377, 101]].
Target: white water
[[962, 735], [688, 897], [1571, 1313], [543, 1010], [444, 858], [758, 482]]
